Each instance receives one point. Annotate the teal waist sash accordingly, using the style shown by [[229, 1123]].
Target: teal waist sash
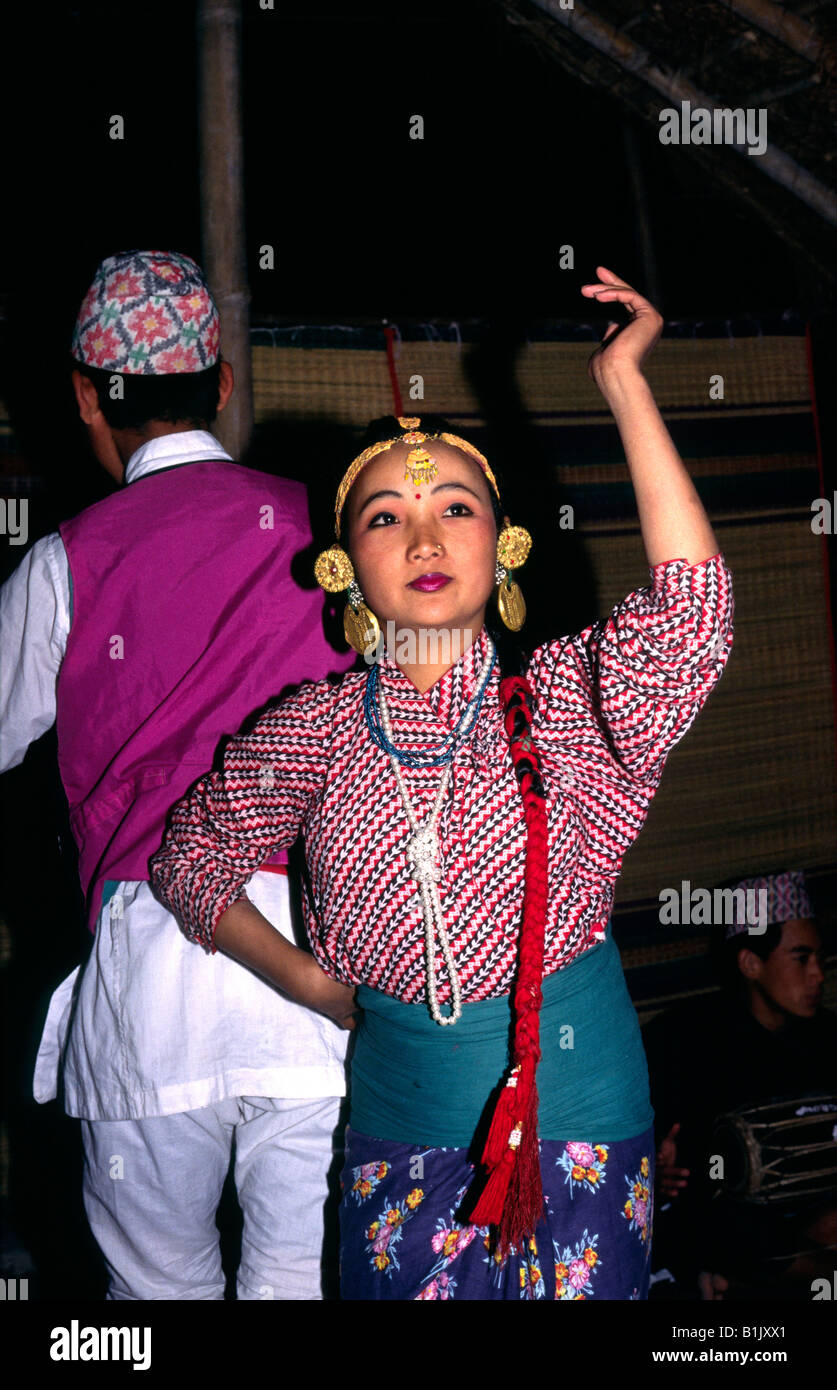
[[414, 1081]]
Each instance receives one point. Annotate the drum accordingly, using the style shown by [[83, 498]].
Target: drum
[[779, 1151]]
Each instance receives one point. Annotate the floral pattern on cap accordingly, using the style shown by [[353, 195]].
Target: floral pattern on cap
[[148, 313]]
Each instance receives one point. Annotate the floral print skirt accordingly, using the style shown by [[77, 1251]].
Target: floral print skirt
[[400, 1237]]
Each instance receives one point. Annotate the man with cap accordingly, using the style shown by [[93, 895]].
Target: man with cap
[[766, 1038], [149, 627]]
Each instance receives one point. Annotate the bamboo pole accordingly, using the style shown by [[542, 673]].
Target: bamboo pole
[[637, 61], [795, 33], [222, 204]]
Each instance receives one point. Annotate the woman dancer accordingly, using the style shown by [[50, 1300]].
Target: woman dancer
[[464, 827]]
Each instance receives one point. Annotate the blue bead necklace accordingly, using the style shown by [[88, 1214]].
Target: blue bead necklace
[[443, 751]]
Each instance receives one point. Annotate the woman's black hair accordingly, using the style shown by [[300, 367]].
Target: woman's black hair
[[512, 654], [176, 396]]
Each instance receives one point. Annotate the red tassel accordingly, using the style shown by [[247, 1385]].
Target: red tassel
[[513, 1190], [504, 1120], [490, 1207], [523, 1207]]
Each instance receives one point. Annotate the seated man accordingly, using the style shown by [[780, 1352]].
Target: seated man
[[766, 1038]]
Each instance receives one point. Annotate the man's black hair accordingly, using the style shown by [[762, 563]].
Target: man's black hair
[[726, 952], [191, 397]]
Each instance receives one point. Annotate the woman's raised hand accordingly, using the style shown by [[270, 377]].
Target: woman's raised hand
[[624, 346]]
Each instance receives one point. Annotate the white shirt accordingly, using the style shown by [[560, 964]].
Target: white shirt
[[152, 1025]]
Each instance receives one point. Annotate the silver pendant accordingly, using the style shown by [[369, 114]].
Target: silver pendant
[[421, 853]]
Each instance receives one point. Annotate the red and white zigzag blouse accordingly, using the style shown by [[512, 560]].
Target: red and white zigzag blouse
[[611, 703]]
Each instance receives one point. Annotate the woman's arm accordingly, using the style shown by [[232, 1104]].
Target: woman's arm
[[672, 517], [234, 818], [246, 935], [230, 823]]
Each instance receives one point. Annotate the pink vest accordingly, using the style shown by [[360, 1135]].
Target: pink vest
[[185, 621]]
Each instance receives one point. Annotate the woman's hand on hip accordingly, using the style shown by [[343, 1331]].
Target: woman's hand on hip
[[330, 997]]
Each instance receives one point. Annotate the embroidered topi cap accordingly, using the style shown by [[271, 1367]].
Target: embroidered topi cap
[[786, 900], [148, 313]]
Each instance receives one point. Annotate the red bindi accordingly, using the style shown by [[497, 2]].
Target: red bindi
[[418, 496]]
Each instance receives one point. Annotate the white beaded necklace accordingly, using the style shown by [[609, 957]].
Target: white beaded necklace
[[422, 851]]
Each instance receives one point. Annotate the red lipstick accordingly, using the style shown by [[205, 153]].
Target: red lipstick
[[427, 583]]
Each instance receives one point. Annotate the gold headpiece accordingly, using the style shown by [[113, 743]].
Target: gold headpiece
[[412, 435], [335, 571]]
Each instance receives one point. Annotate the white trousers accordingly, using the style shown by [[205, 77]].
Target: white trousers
[[152, 1189]]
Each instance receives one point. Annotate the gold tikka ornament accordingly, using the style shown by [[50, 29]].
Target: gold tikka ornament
[[420, 467], [413, 435]]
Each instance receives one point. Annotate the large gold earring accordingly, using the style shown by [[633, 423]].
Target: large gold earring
[[335, 571], [513, 546], [360, 626], [510, 602]]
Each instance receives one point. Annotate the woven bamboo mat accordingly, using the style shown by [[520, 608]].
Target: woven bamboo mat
[[352, 385]]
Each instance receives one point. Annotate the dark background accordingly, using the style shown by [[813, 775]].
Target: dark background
[[516, 160]]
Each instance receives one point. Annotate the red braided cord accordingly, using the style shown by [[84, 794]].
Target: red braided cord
[[528, 996], [513, 1196]]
